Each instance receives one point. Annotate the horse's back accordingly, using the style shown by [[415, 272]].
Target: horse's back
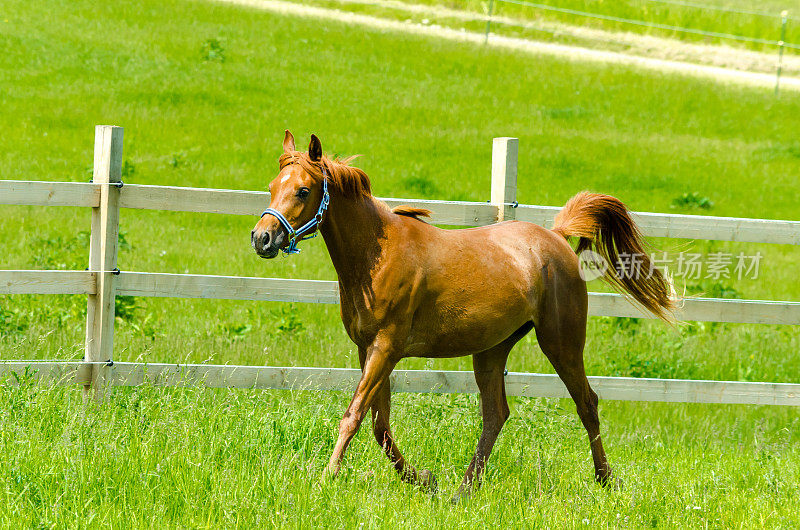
[[515, 247]]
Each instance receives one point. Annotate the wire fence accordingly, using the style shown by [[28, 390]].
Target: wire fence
[[654, 25], [781, 43], [738, 11]]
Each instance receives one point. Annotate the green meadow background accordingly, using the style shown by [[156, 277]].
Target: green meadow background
[[204, 92]]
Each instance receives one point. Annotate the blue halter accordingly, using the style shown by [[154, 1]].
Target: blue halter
[[296, 236]]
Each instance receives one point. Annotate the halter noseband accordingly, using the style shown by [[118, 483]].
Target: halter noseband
[[296, 236]]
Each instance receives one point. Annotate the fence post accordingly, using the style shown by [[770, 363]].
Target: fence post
[[103, 255], [784, 19], [489, 22], [504, 177]]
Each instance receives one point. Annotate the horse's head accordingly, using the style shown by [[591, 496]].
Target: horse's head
[[298, 197]]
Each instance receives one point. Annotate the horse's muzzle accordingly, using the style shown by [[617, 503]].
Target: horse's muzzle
[[265, 245]]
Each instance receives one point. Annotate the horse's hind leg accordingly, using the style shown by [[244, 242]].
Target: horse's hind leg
[[489, 367], [383, 434], [561, 335]]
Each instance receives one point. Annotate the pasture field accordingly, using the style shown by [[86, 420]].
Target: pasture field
[[204, 92], [543, 22], [224, 459]]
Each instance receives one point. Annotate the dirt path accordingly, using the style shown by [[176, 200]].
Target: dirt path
[[717, 73], [629, 43]]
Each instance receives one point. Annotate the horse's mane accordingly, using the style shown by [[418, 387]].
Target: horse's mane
[[349, 181], [410, 211], [345, 179]]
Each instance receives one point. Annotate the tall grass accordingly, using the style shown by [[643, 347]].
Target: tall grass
[[168, 458]]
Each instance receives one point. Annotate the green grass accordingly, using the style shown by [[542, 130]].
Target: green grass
[[204, 92], [210, 459]]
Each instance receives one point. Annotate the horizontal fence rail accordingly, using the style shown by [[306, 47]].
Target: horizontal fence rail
[[40, 193], [48, 282], [102, 282], [454, 213], [172, 198], [703, 309], [327, 292], [679, 226], [237, 202], [228, 287], [419, 381]]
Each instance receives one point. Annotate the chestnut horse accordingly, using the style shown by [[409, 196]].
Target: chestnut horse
[[410, 289]]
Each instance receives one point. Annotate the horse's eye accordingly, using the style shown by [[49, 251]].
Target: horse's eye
[[303, 192]]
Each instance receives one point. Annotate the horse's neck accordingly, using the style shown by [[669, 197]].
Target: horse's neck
[[352, 231]]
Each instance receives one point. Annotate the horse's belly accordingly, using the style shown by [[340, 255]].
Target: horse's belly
[[473, 308], [453, 330]]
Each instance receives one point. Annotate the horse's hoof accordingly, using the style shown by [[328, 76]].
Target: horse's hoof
[[427, 481], [460, 496], [610, 482], [328, 474]]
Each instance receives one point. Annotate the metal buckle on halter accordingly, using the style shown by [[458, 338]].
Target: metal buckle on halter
[[295, 236]]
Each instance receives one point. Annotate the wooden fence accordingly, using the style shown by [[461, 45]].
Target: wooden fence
[[106, 195]]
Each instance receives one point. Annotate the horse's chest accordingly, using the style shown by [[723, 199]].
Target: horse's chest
[[368, 310], [359, 322]]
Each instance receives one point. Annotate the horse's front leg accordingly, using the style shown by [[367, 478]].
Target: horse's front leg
[[381, 408], [383, 434], [379, 364]]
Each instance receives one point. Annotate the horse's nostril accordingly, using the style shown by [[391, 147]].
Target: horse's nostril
[[265, 239]]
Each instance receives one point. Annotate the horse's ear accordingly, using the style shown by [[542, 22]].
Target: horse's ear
[[288, 142], [315, 149]]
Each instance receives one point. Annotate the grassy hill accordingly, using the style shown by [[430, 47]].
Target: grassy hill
[[204, 92]]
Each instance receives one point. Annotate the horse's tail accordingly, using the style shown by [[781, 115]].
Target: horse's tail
[[604, 224]]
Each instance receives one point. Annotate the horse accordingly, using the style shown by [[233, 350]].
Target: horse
[[410, 289]]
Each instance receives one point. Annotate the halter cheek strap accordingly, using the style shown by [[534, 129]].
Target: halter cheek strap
[[295, 236]]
